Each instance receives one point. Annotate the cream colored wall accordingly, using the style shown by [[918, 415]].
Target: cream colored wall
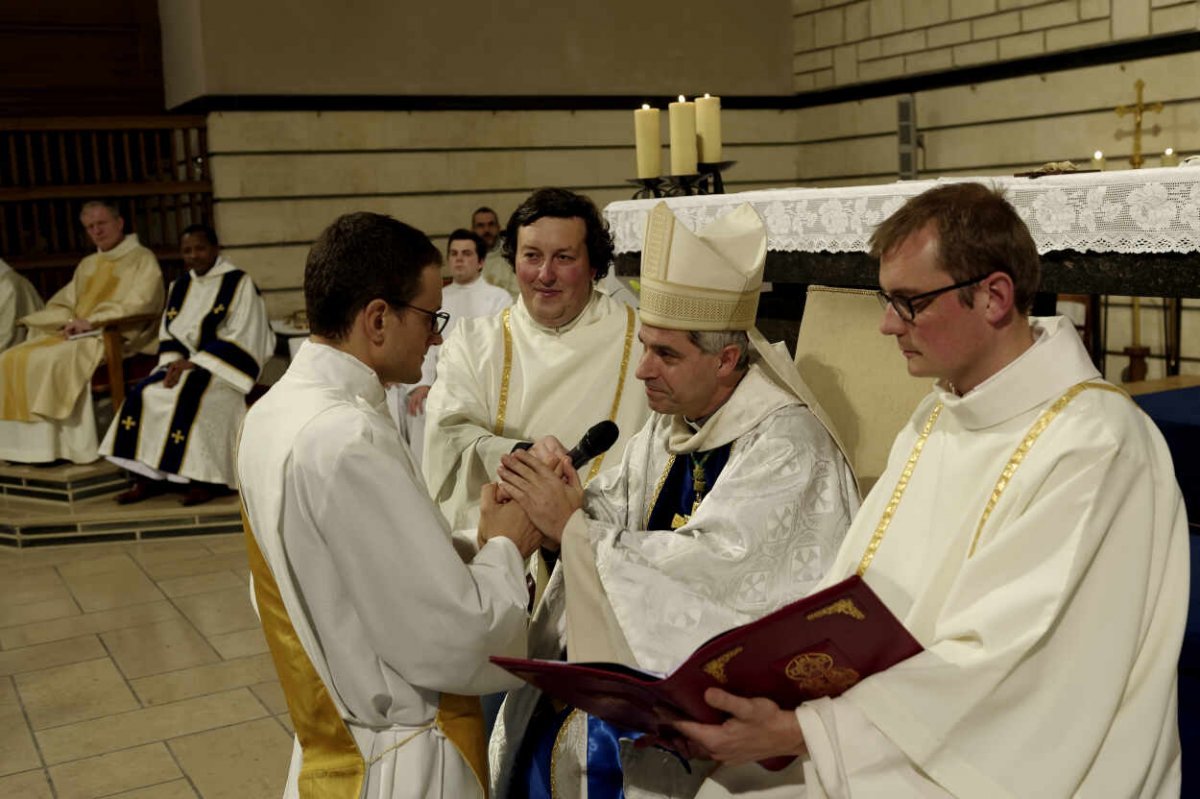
[[479, 48], [280, 178], [843, 42]]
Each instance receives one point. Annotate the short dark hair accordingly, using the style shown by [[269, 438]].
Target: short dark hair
[[483, 209], [978, 232], [563, 204], [359, 258], [462, 234], [205, 230]]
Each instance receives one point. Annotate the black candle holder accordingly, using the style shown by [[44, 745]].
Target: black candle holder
[[710, 176], [682, 185], [651, 188]]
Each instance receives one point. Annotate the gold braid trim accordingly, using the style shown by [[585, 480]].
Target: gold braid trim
[[506, 371], [1026, 444], [630, 319], [890, 509], [662, 479]]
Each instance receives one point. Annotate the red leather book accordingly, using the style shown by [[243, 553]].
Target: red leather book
[[817, 646]]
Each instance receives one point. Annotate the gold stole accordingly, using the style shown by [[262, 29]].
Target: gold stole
[[332, 766]]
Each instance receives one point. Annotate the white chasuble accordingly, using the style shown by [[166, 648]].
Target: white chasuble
[[217, 321], [45, 403], [386, 610], [505, 378], [1051, 600], [763, 536]]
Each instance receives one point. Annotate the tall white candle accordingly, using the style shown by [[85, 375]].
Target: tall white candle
[[1098, 160], [708, 128], [649, 144], [1170, 157], [682, 116]]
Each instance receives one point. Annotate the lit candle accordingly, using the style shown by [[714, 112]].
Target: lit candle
[[649, 145], [1170, 157], [708, 128], [1098, 160], [682, 118]]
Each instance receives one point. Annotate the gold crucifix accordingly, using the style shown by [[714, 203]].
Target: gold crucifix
[[128, 423], [219, 309], [1138, 109], [178, 437], [172, 313]]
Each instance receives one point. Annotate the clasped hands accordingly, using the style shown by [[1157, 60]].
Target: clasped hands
[[538, 487], [75, 327]]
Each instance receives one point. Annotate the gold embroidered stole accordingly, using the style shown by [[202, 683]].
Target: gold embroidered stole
[[1006, 474], [100, 288], [332, 766], [506, 376], [14, 365]]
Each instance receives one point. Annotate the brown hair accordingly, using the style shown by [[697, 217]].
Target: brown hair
[[978, 233]]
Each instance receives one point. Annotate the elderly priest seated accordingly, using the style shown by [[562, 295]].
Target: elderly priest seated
[[45, 400]]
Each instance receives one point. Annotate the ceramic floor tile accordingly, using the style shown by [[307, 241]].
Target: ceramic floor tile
[[200, 583], [187, 567], [98, 622], [286, 721], [30, 785], [56, 653], [240, 644], [112, 589], [158, 552], [229, 543], [17, 750], [245, 761], [12, 614], [176, 789], [75, 692], [157, 648], [81, 567], [218, 612], [113, 733], [200, 680], [34, 585], [125, 770], [271, 694]]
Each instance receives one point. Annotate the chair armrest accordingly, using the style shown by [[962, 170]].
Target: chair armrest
[[114, 352]]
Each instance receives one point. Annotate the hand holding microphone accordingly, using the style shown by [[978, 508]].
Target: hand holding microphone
[[551, 492]]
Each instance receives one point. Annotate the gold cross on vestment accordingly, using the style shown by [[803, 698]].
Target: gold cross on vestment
[[172, 313], [217, 309], [1138, 109], [128, 423], [178, 437]]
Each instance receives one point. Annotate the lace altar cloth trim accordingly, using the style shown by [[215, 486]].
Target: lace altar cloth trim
[[1129, 211]]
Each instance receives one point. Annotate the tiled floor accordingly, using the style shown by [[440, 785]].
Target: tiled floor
[[136, 670]]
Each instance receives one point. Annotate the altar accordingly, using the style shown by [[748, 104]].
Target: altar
[[1126, 232]]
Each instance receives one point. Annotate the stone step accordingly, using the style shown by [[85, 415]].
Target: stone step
[[63, 484]]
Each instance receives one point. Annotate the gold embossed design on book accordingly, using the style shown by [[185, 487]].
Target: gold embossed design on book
[[715, 668], [816, 673], [843, 606]]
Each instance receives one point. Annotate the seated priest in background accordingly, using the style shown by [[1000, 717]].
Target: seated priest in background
[[466, 297], [379, 623], [46, 402], [729, 503], [554, 364], [180, 424], [1028, 531], [18, 298]]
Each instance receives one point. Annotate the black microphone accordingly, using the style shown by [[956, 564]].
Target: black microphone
[[598, 439]]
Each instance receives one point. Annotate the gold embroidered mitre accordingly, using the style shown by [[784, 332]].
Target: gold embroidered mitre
[[702, 281]]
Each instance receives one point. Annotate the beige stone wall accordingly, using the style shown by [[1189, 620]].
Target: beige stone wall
[[280, 178], [474, 48], [843, 42]]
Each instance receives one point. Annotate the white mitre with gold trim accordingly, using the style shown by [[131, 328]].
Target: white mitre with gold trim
[[711, 280], [708, 280]]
